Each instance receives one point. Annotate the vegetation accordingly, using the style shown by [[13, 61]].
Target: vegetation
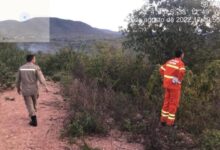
[[121, 89], [10, 60], [99, 92], [196, 36], [210, 140]]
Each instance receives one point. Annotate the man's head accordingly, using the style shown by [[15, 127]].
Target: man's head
[[31, 58], [179, 54]]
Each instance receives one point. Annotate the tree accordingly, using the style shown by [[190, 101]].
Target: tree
[[10, 60], [162, 26], [11, 56]]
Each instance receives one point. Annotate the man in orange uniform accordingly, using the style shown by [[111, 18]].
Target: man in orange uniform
[[173, 72]]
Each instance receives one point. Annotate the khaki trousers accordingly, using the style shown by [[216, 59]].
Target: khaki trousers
[[31, 104]]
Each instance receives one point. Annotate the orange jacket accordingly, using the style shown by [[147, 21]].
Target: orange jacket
[[173, 68]]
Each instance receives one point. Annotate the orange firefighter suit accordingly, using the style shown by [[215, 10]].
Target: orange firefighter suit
[[173, 72]]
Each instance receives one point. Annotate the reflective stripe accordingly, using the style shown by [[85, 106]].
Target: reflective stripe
[[172, 115], [169, 77], [172, 66], [163, 115], [27, 69], [171, 118], [163, 68], [182, 68], [165, 112]]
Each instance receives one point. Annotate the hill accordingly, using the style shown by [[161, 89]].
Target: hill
[[74, 30], [51, 34]]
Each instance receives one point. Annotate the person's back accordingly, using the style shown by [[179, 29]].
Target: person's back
[[172, 72], [29, 78], [27, 83]]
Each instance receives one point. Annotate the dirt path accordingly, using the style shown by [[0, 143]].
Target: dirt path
[[16, 134]]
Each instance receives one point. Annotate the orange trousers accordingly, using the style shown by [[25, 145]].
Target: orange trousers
[[170, 105]]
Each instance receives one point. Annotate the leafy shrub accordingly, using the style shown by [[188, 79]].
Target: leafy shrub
[[210, 140], [84, 124], [11, 56], [118, 69], [103, 103], [7, 77], [200, 99], [87, 147], [116, 86], [10, 60]]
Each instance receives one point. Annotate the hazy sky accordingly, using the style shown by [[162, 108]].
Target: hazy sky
[[16, 9], [106, 14]]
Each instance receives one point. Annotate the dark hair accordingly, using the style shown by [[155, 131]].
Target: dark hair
[[178, 53], [30, 57]]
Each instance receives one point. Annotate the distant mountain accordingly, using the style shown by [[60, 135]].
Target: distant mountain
[[54, 29], [31, 30], [52, 34], [67, 30]]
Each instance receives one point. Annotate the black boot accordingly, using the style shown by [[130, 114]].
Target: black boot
[[175, 126], [163, 124], [33, 121]]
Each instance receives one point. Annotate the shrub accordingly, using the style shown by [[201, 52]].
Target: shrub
[[84, 124], [87, 147], [116, 86], [199, 102], [7, 77], [10, 60], [210, 140], [118, 70]]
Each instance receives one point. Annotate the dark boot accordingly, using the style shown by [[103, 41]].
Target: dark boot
[[33, 121], [175, 126], [163, 124]]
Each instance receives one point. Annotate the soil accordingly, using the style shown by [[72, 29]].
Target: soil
[[17, 134]]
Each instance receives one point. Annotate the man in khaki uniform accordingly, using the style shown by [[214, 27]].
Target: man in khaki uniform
[[27, 83]]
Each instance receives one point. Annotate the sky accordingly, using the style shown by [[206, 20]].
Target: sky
[[104, 14], [16, 9]]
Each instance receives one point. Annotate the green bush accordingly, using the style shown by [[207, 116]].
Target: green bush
[[10, 60], [116, 86], [87, 147], [210, 140], [133, 126], [199, 102], [118, 69], [11, 56], [7, 77], [84, 124]]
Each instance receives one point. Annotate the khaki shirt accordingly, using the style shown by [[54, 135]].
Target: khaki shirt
[[27, 79]]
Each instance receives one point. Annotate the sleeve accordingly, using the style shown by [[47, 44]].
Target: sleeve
[[18, 80], [162, 69], [182, 71], [41, 77]]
